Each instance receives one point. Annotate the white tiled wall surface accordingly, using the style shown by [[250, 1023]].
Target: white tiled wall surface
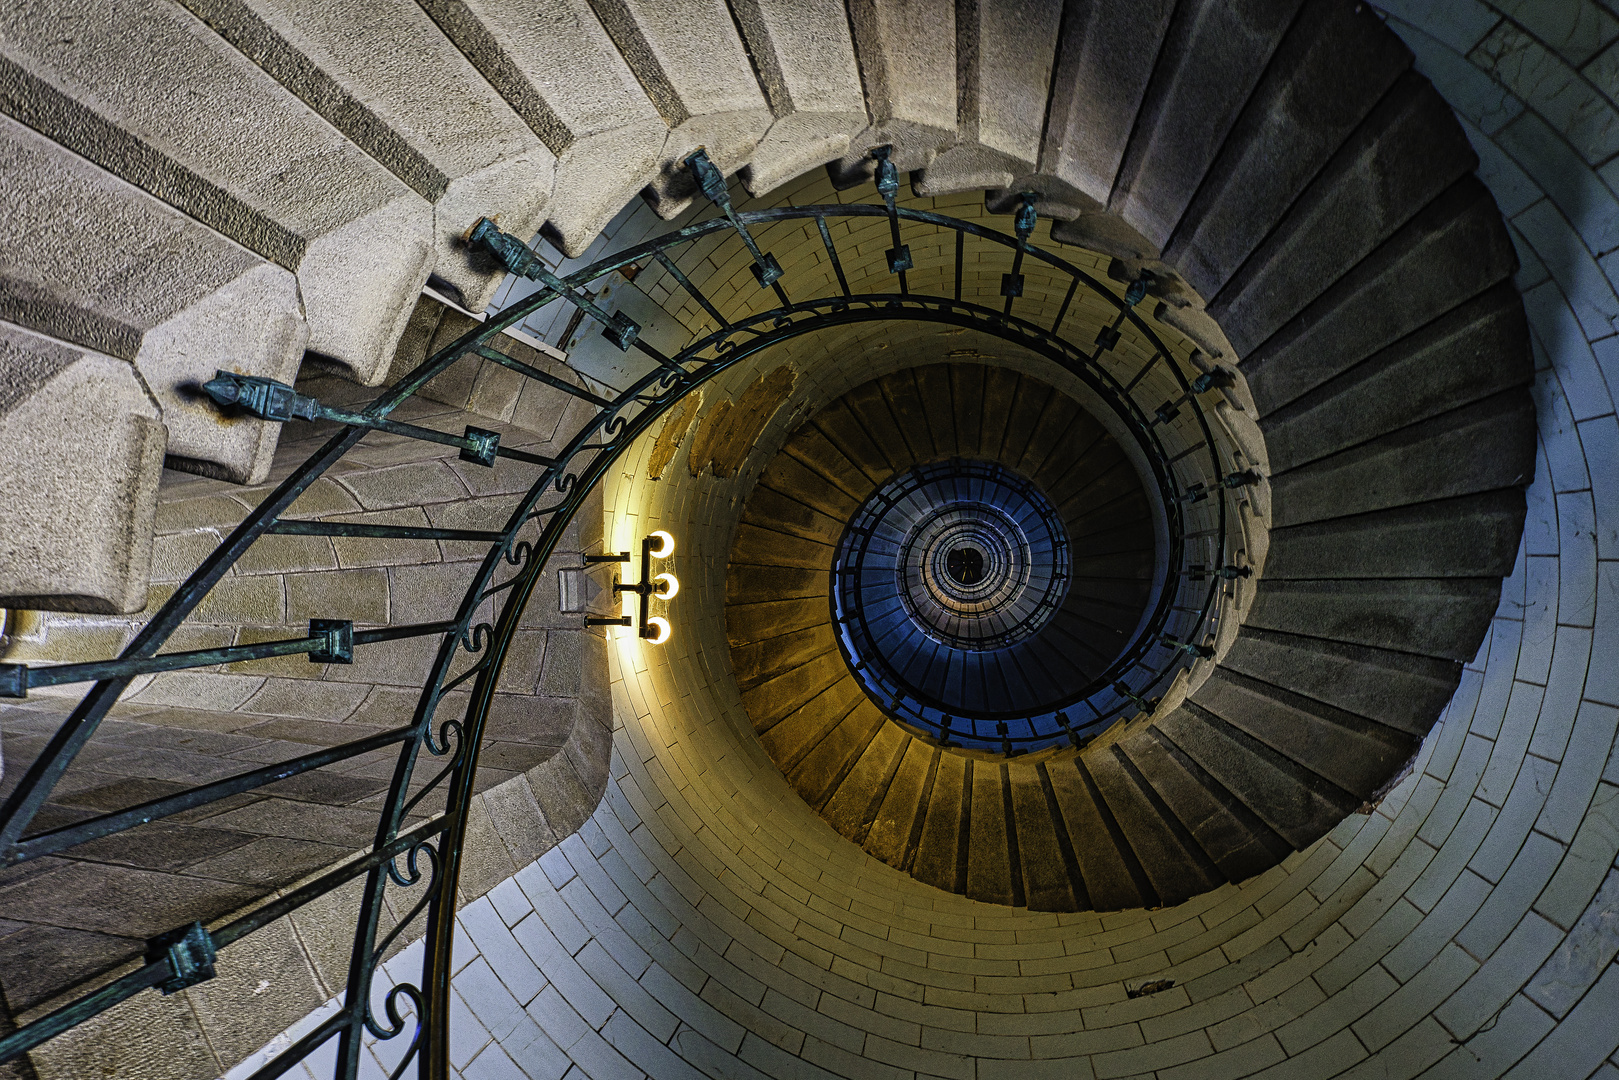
[[706, 922]]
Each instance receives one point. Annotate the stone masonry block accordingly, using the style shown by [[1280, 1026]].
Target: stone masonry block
[[806, 64], [72, 538], [560, 71], [146, 284], [419, 107]]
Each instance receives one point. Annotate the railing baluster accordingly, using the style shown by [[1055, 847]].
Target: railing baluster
[[899, 256], [837, 264], [540, 376]]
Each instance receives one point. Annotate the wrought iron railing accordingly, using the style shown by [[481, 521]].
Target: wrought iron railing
[[422, 860]]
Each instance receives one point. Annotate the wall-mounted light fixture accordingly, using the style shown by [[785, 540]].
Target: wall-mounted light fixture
[[654, 628]]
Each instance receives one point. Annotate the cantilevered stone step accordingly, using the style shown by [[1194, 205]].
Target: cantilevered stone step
[[295, 192], [1441, 458], [1403, 155], [1354, 753], [1469, 536], [1470, 353], [1456, 248], [1330, 70], [432, 119], [93, 260], [1213, 54]]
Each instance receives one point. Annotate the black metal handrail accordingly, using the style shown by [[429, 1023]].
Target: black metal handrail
[[530, 535]]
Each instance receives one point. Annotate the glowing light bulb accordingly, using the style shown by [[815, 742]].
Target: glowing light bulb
[[668, 543], [671, 586], [663, 629]]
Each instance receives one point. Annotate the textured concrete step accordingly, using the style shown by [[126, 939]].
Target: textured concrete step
[[853, 806], [358, 238], [941, 852], [1298, 804], [1440, 617], [72, 538], [1111, 873], [994, 871], [803, 54], [1467, 354], [896, 829], [1354, 753], [1051, 878], [691, 61], [418, 107], [1439, 458], [92, 260], [1213, 54], [1402, 690], [1105, 58], [1235, 840], [1456, 248], [561, 72], [1403, 155], [1006, 53], [907, 55], [1334, 64], [1470, 536], [1171, 859]]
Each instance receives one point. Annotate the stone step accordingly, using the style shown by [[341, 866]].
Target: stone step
[[1453, 250], [1006, 53], [1298, 804], [1402, 690], [1105, 57], [1403, 155], [1173, 862], [72, 538], [1470, 536], [94, 261], [419, 108], [1331, 68], [1440, 617], [906, 50], [1353, 752], [1469, 353], [358, 238], [1213, 54], [1440, 458], [1234, 838]]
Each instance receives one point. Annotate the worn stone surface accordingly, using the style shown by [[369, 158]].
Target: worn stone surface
[[73, 539], [420, 108], [150, 286], [1330, 69], [803, 54], [694, 67], [907, 57], [560, 71], [1005, 55], [358, 239], [1213, 54], [1406, 151]]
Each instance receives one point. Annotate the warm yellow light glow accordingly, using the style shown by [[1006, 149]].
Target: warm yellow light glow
[[668, 543], [662, 626], [671, 586]]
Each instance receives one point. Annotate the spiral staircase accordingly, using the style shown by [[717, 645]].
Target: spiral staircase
[[1298, 203]]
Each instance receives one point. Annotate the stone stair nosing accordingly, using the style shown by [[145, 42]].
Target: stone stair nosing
[[1005, 54], [803, 55], [72, 538], [907, 57], [92, 260], [236, 151], [418, 107]]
